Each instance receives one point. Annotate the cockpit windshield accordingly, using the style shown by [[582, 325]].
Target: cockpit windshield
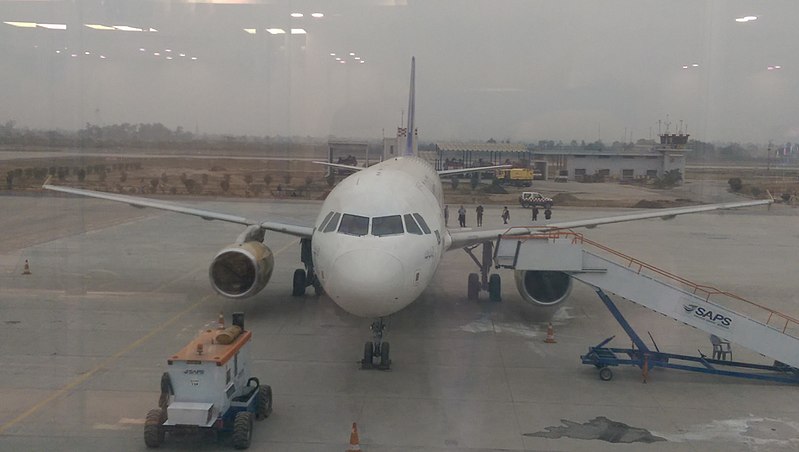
[[422, 223], [411, 226], [354, 225], [387, 225], [331, 225]]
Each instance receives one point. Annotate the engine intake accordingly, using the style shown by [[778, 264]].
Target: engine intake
[[543, 288], [241, 270]]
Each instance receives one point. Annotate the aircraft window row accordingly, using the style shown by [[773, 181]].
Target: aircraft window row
[[381, 226]]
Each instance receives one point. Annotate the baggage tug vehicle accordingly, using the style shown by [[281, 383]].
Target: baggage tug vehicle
[[208, 386]]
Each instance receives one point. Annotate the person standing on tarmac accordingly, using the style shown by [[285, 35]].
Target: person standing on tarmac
[[535, 213], [479, 215], [462, 216], [505, 215], [446, 214]]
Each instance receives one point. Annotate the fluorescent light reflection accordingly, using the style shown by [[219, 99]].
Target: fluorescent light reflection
[[298, 31], [99, 27], [54, 26], [276, 31], [250, 30], [22, 24], [317, 15], [126, 28], [297, 15]]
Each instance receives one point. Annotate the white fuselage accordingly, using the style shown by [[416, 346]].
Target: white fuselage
[[372, 275]]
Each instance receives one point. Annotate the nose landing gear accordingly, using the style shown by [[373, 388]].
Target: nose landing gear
[[376, 352], [307, 277]]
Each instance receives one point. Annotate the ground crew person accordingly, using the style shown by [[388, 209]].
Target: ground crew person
[[535, 213], [479, 215], [446, 214], [505, 215], [462, 216]]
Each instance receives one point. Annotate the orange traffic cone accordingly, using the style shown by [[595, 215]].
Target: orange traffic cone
[[550, 334], [355, 443], [27, 269]]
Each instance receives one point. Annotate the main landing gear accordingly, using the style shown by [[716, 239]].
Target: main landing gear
[[482, 281], [307, 277], [376, 352]]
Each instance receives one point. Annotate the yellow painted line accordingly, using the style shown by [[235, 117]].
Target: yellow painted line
[[81, 379], [77, 381]]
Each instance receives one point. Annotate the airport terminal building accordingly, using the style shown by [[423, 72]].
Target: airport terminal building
[[640, 162]]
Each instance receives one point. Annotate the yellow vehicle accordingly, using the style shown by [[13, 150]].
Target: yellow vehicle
[[518, 177]]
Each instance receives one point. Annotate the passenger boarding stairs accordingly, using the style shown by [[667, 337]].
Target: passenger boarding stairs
[[723, 314]]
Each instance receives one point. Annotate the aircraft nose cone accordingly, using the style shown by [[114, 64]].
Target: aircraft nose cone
[[367, 283]]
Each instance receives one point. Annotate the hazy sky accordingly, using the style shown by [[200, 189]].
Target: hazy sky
[[519, 70]]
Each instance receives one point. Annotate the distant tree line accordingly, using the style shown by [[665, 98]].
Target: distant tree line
[[156, 135]]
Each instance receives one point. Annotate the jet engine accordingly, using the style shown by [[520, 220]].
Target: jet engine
[[543, 288], [241, 270]]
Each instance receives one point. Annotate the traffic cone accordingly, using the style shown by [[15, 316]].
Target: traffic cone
[[550, 334], [27, 269], [355, 443]]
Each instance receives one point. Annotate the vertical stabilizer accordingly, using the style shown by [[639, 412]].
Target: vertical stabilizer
[[411, 108]]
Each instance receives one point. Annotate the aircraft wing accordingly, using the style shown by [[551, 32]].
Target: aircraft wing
[[135, 201], [461, 239], [471, 170]]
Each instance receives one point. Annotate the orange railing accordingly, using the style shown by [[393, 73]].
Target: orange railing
[[767, 316]]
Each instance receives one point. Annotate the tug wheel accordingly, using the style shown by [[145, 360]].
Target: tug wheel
[[242, 430], [605, 374], [263, 402], [154, 432]]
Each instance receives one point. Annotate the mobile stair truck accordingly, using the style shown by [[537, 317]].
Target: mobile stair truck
[[208, 387]]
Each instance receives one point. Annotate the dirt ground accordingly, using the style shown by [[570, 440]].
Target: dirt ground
[[254, 177]]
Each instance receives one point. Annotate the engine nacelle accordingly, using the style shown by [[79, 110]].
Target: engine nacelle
[[543, 288], [241, 270]]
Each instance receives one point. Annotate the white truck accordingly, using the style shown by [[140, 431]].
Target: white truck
[[533, 198], [208, 386]]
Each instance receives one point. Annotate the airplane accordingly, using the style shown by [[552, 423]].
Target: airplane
[[378, 239]]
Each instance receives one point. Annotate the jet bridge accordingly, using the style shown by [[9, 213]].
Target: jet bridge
[[714, 311]]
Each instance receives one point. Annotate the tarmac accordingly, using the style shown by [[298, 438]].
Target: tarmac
[[115, 290]]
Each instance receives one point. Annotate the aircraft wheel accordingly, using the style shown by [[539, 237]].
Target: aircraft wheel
[[368, 353], [473, 286], [298, 287], [385, 359], [495, 287], [605, 374]]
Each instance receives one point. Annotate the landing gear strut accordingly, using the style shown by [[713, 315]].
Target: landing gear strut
[[376, 352], [476, 283], [307, 277]]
